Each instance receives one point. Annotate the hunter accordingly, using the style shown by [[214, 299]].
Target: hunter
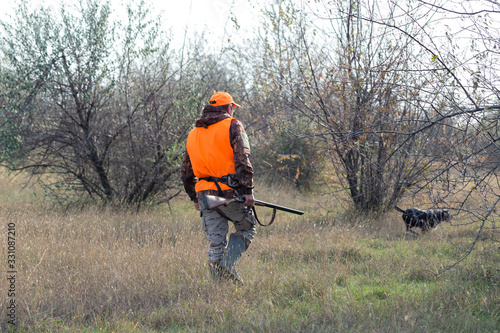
[[216, 162]]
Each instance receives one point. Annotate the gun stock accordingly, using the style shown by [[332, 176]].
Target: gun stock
[[213, 201]]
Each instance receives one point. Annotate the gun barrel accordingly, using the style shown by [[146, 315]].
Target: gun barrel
[[285, 209]]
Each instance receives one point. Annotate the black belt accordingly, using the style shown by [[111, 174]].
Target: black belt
[[224, 180]]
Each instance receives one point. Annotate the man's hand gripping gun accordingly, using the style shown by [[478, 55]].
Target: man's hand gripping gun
[[213, 202]]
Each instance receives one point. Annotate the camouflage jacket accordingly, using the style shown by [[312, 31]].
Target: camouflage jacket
[[239, 142]]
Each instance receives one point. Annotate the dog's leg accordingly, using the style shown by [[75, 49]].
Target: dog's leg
[[409, 226], [425, 227], [411, 232]]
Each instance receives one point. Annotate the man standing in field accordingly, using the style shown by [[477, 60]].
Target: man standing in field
[[216, 162]]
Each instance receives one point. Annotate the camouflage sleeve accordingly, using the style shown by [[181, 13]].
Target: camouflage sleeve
[[188, 178], [241, 148]]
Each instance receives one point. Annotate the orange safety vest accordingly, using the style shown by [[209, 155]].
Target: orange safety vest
[[211, 154]]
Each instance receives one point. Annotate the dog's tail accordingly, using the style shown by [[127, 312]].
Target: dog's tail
[[397, 208]]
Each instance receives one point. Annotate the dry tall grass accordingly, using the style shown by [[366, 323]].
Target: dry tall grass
[[123, 271]]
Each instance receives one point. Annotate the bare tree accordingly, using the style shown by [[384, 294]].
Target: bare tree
[[106, 104], [402, 97], [360, 87]]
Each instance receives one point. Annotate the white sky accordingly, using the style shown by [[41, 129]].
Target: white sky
[[213, 17], [210, 16]]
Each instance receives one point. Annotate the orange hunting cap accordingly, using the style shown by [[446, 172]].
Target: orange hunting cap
[[222, 98]]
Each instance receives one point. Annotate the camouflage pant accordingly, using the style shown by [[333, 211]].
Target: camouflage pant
[[216, 226]]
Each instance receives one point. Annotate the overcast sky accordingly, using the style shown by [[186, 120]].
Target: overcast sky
[[209, 16], [213, 17]]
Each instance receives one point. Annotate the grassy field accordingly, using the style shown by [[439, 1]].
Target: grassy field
[[95, 270]]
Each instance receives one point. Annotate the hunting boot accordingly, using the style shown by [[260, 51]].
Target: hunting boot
[[227, 267], [214, 270]]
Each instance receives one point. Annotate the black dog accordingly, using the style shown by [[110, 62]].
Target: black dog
[[424, 219]]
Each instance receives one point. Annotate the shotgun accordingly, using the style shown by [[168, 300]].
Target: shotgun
[[213, 201]]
